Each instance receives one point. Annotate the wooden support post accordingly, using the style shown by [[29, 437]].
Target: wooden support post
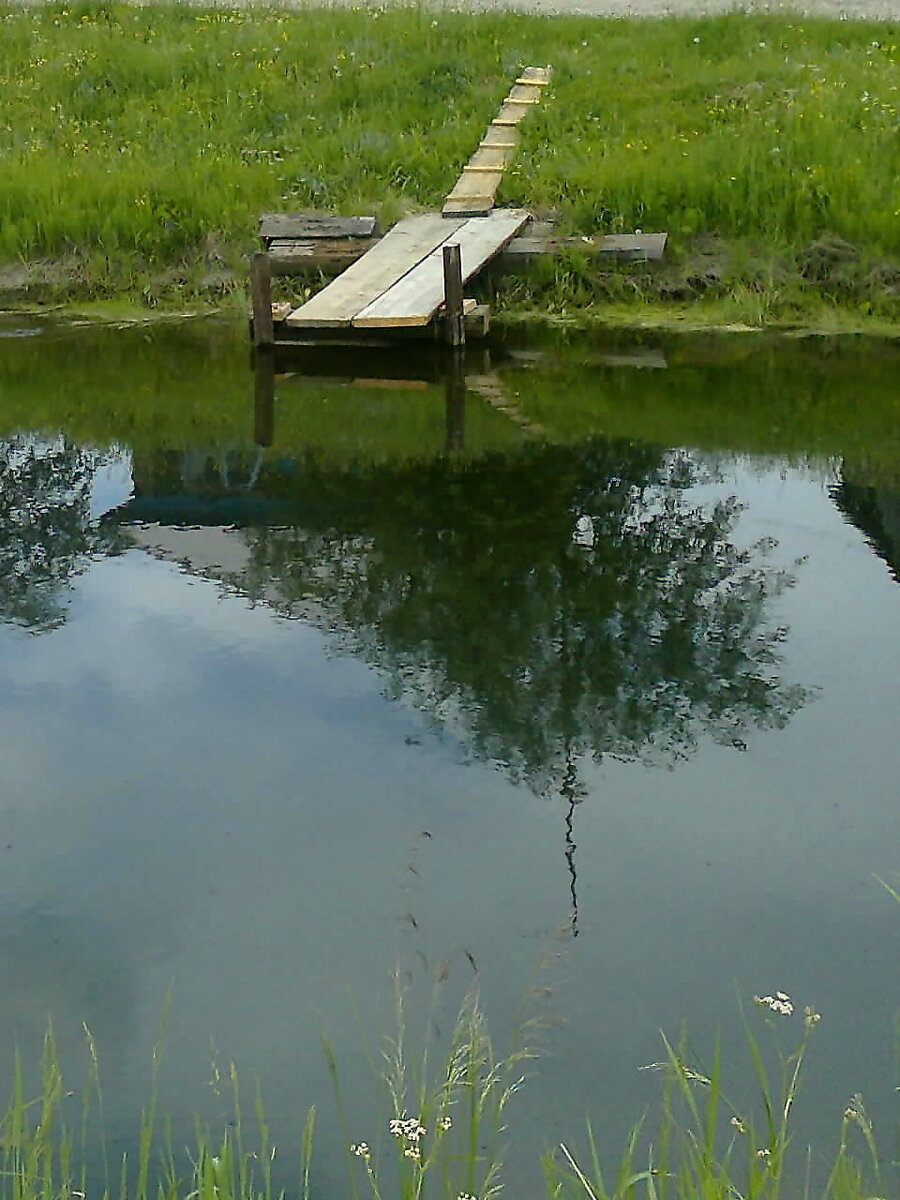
[[264, 396], [261, 297], [456, 401], [453, 295]]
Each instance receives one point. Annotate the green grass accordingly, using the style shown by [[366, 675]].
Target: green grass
[[136, 137], [440, 1130]]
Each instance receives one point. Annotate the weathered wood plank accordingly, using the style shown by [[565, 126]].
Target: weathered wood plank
[[476, 183], [411, 240], [524, 93], [296, 258], [539, 76], [489, 158], [415, 298], [537, 241], [475, 206], [496, 135], [305, 225], [512, 111], [619, 245]]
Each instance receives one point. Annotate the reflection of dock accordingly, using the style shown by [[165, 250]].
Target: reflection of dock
[[874, 508], [348, 367]]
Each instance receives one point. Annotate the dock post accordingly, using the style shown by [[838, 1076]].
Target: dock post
[[261, 297], [453, 295]]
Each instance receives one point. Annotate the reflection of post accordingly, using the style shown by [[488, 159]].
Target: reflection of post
[[456, 401], [264, 406]]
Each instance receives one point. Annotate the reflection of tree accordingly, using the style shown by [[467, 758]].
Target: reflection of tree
[[545, 605], [45, 528]]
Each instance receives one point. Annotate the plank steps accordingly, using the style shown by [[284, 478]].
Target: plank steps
[[476, 198]]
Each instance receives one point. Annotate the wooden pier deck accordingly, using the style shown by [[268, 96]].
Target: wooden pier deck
[[400, 281]]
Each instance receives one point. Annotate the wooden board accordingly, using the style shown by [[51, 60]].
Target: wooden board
[[472, 206], [489, 158], [410, 240], [536, 76], [537, 240], [512, 111], [305, 225], [524, 93], [476, 183], [415, 298], [476, 198], [496, 135], [619, 245], [290, 257]]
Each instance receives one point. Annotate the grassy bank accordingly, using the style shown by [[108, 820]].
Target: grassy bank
[[140, 144]]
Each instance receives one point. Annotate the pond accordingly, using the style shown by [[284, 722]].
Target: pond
[[584, 680]]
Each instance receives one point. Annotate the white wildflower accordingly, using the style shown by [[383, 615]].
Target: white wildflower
[[780, 1003], [410, 1130]]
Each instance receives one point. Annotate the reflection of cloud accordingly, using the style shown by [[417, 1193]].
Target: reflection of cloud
[[135, 607], [111, 484]]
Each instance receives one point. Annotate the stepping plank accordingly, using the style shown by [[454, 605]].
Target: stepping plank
[[524, 93], [496, 135], [512, 111], [476, 183], [489, 158], [536, 76], [415, 298], [402, 247], [477, 199]]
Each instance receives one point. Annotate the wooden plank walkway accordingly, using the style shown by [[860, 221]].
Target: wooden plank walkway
[[399, 282], [414, 299], [474, 192], [399, 251]]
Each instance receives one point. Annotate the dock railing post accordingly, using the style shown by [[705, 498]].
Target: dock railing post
[[261, 298], [453, 295]]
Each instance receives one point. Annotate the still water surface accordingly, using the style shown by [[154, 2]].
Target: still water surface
[[598, 666]]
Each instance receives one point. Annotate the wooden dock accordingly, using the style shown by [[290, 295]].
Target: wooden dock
[[411, 279]]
